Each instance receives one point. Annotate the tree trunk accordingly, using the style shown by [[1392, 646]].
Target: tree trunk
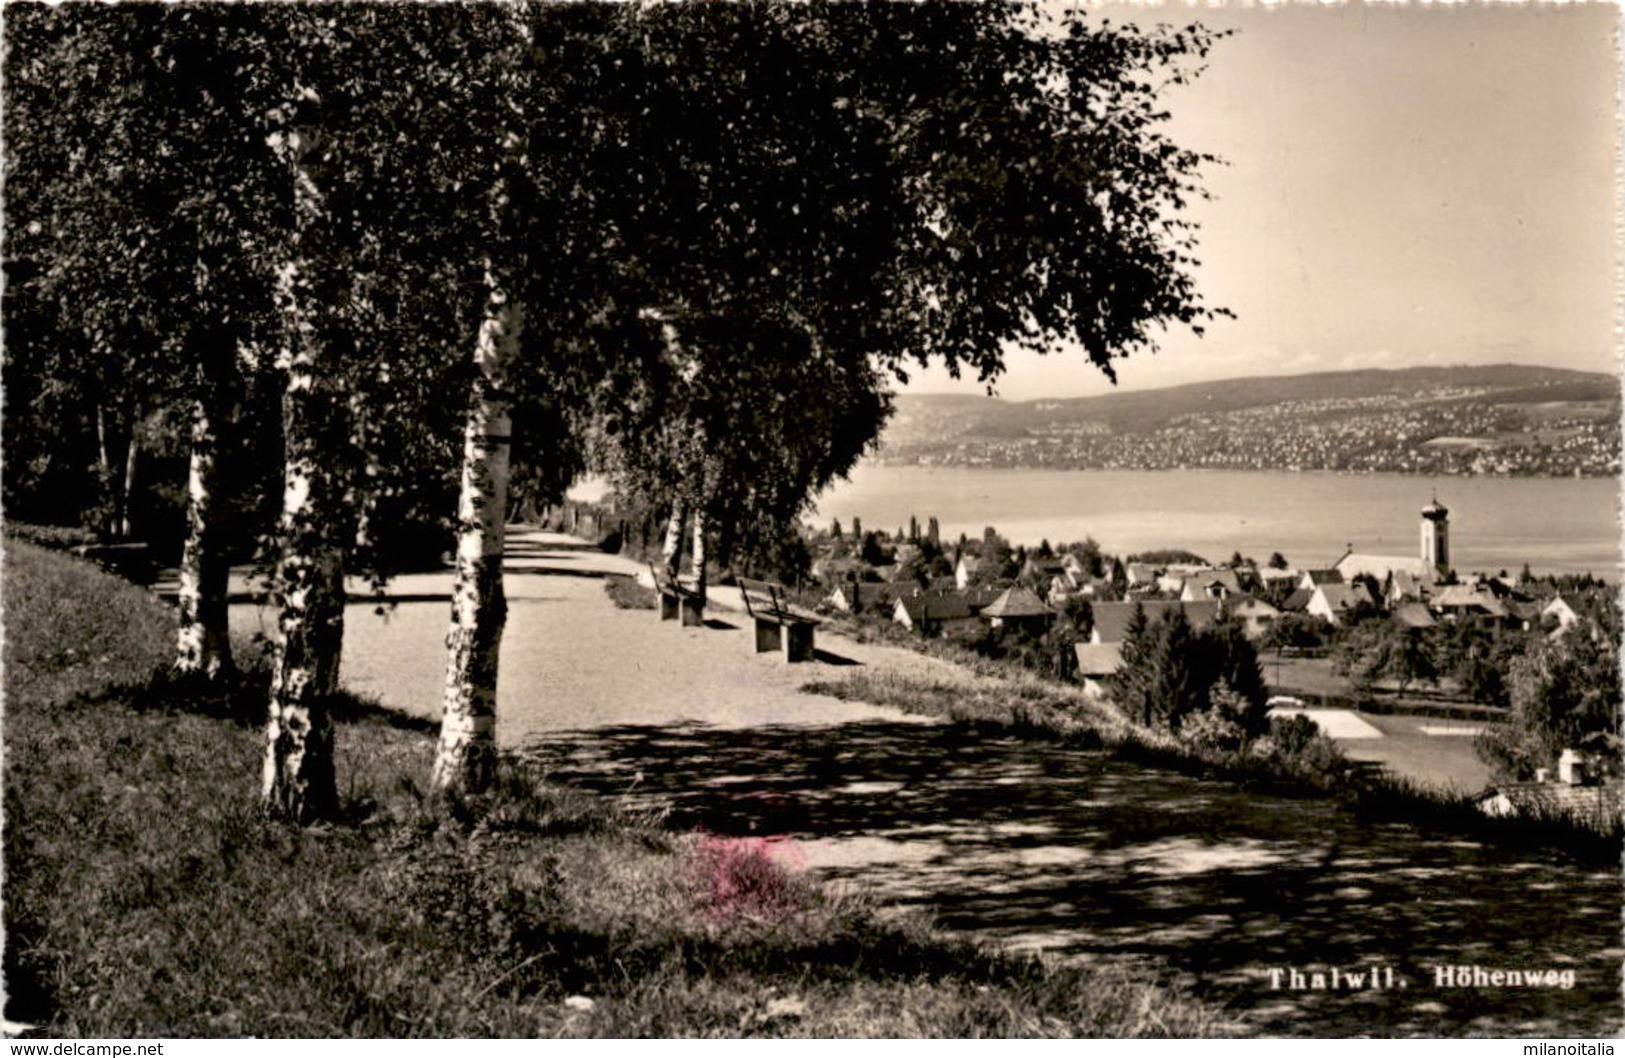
[[203, 642], [699, 553], [727, 543], [107, 505], [298, 779], [127, 493], [467, 755], [671, 551], [104, 465]]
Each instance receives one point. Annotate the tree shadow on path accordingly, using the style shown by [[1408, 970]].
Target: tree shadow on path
[[1066, 849]]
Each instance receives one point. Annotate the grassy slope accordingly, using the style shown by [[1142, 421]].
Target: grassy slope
[[69, 631], [1023, 703], [145, 895]]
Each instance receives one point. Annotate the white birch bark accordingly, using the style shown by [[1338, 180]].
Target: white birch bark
[[104, 474], [298, 775], [671, 550], [698, 556], [203, 645], [298, 779], [127, 493], [465, 760], [466, 757], [103, 463]]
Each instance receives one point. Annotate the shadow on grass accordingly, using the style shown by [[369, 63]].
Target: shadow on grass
[[1049, 845], [240, 698], [829, 658]]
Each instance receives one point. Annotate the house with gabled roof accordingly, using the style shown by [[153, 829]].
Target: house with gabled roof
[[1067, 587], [1041, 570], [1581, 791], [1563, 611], [1112, 618], [1412, 615], [932, 613], [1459, 603], [1298, 601], [1140, 576], [1097, 588], [1401, 587], [1211, 584], [868, 597], [1525, 611], [1171, 581], [1256, 616], [1336, 602], [1097, 663]]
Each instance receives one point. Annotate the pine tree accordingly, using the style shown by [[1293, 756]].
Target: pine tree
[[1134, 679]]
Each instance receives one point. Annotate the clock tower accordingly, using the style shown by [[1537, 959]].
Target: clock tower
[[1436, 539]]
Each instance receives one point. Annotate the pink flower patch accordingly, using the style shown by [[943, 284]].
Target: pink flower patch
[[749, 877]]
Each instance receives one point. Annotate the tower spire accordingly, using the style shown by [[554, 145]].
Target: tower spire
[[1436, 538]]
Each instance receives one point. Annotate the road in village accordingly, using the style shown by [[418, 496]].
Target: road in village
[[1035, 845]]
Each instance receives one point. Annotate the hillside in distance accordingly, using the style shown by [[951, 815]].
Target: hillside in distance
[[1504, 419]]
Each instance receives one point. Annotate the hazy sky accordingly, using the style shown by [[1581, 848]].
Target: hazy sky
[[1405, 185]]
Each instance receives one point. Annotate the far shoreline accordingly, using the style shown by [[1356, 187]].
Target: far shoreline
[[1557, 525]]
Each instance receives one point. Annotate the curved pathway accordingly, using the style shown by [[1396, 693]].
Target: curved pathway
[[571, 659]]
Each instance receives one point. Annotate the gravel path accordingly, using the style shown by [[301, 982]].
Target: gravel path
[[571, 659]]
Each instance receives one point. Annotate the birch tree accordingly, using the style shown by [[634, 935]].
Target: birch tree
[[872, 185], [145, 207], [298, 778], [466, 757], [203, 632], [923, 183], [368, 217]]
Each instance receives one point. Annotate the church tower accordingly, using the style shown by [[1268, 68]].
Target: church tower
[[1436, 539]]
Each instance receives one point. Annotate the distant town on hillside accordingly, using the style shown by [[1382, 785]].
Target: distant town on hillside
[[1502, 420]]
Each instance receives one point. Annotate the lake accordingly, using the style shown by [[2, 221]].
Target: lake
[[1557, 525]]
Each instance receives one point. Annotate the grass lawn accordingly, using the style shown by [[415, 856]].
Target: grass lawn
[[1438, 761], [1446, 762], [147, 896], [1301, 675]]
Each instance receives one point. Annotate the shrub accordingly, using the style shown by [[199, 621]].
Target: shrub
[[1293, 734], [55, 537], [1213, 729]]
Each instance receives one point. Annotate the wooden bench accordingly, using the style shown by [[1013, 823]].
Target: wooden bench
[[678, 599], [777, 626]]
